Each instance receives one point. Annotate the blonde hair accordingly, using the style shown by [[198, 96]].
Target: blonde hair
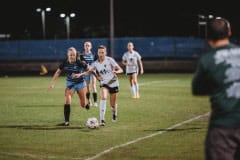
[[72, 49]]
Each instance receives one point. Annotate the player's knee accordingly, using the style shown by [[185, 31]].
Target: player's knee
[[67, 101]]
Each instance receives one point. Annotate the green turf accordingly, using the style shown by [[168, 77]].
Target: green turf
[[29, 114]]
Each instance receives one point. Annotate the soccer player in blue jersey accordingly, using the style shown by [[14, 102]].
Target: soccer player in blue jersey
[[75, 71], [89, 57], [133, 62]]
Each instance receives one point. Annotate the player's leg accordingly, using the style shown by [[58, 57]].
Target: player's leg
[[67, 106], [132, 87], [94, 90], [135, 84], [103, 104], [113, 100], [81, 90], [88, 90]]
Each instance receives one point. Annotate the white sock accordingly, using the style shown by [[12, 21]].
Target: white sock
[[102, 109], [137, 88], [133, 90]]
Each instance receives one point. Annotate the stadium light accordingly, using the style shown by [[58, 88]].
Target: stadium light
[[43, 17], [67, 21]]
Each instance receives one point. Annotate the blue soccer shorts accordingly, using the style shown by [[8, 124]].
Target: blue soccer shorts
[[75, 86]]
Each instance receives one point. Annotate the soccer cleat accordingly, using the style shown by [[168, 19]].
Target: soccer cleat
[[102, 123], [138, 96], [134, 97], [87, 107], [63, 124], [114, 118], [95, 104]]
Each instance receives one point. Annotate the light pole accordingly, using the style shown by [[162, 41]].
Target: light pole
[[43, 17], [111, 28], [67, 21]]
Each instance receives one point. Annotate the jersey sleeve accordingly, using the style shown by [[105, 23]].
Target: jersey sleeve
[[124, 57], [139, 57], [199, 80], [113, 62]]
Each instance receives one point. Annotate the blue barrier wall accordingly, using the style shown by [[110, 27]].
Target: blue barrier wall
[[54, 50]]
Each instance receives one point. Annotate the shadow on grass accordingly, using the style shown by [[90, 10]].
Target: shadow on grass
[[45, 127], [178, 129]]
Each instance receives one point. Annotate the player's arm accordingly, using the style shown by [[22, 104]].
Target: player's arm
[[124, 62], [200, 84], [86, 72], [117, 69], [92, 70], [141, 66], [77, 75], [55, 77], [98, 77]]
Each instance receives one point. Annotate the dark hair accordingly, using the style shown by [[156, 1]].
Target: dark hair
[[102, 47], [218, 28]]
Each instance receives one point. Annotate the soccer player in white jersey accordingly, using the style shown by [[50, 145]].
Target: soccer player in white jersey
[[133, 61], [106, 69]]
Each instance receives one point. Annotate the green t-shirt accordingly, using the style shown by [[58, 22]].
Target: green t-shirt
[[218, 75]]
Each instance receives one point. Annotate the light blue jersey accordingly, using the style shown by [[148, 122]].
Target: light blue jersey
[[89, 58]]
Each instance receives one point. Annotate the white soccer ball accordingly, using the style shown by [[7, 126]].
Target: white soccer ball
[[92, 123]]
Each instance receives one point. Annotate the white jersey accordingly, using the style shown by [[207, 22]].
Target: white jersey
[[132, 61], [105, 70]]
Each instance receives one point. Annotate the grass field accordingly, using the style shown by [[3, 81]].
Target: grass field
[[154, 127]]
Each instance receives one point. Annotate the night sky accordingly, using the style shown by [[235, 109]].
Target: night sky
[[133, 18]]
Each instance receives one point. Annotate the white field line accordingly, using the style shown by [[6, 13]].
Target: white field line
[[21, 155], [160, 81], [146, 137]]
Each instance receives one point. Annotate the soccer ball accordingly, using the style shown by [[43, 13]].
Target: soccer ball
[[92, 123]]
